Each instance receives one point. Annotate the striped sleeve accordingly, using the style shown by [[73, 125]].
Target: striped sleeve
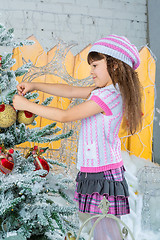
[[105, 99]]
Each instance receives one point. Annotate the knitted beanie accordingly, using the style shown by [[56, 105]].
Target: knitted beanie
[[118, 47]]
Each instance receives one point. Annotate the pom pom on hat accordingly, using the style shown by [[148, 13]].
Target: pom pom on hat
[[118, 47]]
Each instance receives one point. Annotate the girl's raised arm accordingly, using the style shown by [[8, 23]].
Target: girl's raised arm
[[83, 110], [61, 90], [64, 90]]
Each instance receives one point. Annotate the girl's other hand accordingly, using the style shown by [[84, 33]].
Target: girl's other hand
[[24, 87], [20, 103]]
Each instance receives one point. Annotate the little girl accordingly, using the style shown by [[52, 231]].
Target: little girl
[[116, 93]]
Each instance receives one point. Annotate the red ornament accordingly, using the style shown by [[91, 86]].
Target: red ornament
[[2, 107], [35, 147], [28, 114], [40, 163], [11, 151], [6, 163]]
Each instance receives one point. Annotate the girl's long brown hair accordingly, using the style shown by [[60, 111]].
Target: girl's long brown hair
[[129, 86]]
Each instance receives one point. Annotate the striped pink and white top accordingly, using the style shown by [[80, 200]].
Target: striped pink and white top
[[99, 147]]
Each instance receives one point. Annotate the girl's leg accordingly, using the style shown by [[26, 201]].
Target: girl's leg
[[106, 229]]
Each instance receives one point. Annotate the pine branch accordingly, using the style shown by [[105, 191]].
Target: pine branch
[[11, 205], [58, 220], [65, 196], [22, 70], [55, 162], [31, 95], [47, 101]]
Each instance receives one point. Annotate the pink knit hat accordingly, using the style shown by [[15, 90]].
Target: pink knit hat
[[118, 47]]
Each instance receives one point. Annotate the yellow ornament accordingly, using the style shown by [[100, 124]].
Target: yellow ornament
[[7, 115], [70, 236], [25, 117]]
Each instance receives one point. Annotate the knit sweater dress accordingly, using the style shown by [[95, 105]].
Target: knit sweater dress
[[101, 170]]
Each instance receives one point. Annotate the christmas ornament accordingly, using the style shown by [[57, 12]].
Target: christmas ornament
[[25, 117], [39, 162], [7, 115], [6, 160], [70, 236]]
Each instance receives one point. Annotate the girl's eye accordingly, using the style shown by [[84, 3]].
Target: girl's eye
[[94, 65]]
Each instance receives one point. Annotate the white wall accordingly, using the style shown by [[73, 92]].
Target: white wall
[[83, 21]]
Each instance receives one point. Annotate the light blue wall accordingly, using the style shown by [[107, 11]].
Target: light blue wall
[[154, 40]]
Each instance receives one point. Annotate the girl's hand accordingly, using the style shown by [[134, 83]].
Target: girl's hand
[[20, 103], [24, 87]]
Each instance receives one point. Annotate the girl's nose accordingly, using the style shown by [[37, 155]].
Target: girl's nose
[[91, 71]]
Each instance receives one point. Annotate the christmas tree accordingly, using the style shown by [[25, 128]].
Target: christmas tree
[[29, 193]]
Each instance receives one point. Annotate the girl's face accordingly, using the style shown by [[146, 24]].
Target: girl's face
[[100, 73]]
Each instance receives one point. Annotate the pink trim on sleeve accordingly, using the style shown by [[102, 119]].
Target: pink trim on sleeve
[[106, 109]]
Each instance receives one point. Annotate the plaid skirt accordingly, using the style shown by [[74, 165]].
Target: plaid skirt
[[92, 187]]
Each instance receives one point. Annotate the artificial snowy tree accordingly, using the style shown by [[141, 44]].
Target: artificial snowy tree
[[28, 193]]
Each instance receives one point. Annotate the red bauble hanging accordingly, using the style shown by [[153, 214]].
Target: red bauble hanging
[[40, 163], [6, 161]]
